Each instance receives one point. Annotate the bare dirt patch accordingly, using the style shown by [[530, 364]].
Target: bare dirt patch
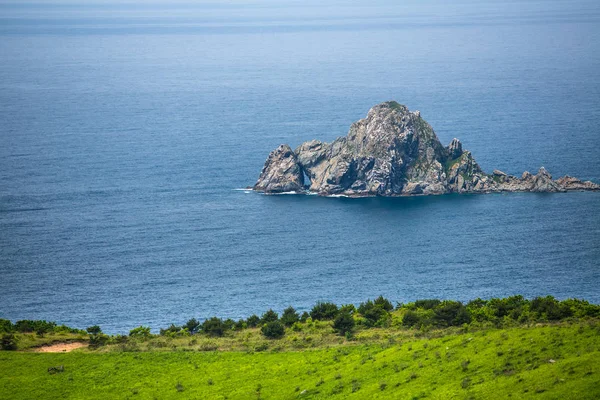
[[61, 347]]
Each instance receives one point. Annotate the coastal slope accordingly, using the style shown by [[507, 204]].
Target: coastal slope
[[394, 152]]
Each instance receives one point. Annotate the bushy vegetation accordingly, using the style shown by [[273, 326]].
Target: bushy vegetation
[[273, 330], [344, 323], [323, 311], [421, 315]]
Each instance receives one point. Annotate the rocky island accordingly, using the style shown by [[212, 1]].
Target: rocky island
[[394, 152]]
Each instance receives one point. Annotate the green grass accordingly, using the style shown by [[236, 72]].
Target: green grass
[[382, 363]]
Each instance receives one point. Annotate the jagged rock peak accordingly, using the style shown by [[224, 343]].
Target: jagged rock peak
[[455, 148], [394, 152], [281, 172]]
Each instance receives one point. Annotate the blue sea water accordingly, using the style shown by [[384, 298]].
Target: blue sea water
[[126, 128]]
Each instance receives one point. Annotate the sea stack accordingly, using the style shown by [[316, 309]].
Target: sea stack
[[394, 152]]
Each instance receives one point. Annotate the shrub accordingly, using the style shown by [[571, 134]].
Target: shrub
[[374, 313], [549, 308], [239, 325], [511, 306], [289, 316], [6, 325], [273, 330], [229, 324], [427, 304], [98, 340], [451, 313], [410, 319], [94, 330], [171, 330], [304, 317], [25, 326], [269, 316], [343, 323], [348, 308], [213, 326], [141, 332], [8, 342], [323, 311], [253, 321], [581, 308], [193, 326], [384, 303]]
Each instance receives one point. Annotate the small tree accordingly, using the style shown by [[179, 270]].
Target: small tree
[[384, 303], [289, 316], [374, 312], [94, 330], [141, 332], [193, 326], [269, 316], [348, 308], [273, 330], [8, 342], [214, 327], [239, 325], [451, 313], [97, 338], [410, 319], [305, 315], [253, 321], [324, 311], [6, 325], [171, 330], [343, 323]]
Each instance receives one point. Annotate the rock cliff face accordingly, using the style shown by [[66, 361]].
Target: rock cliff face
[[394, 152]]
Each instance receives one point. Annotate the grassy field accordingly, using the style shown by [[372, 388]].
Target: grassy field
[[543, 361]]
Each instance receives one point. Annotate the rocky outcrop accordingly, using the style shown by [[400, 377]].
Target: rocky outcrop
[[394, 152], [281, 173]]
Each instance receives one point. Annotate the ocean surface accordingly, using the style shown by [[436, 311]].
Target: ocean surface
[[125, 130]]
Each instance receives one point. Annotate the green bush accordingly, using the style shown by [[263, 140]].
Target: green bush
[[273, 330], [411, 318], [141, 332], [253, 321], [98, 340], [450, 313], [550, 308], [290, 316], [426, 304], [193, 326], [374, 313], [239, 325], [269, 316], [8, 342], [384, 303], [305, 315], [170, 331], [26, 326], [323, 311], [213, 327], [94, 330], [511, 307], [6, 326], [348, 308], [229, 324], [344, 323]]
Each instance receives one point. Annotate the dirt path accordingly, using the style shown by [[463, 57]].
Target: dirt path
[[60, 347]]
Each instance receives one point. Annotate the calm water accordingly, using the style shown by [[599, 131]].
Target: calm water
[[124, 131]]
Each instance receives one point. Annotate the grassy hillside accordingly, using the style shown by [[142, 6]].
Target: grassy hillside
[[430, 349], [558, 361]]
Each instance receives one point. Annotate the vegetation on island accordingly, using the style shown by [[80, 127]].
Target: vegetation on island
[[498, 348]]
